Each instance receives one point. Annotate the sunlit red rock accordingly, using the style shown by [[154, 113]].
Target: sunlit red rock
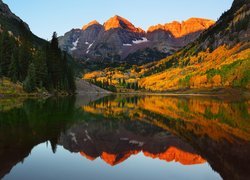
[[177, 155], [171, 154], [87, 156], [114, 159], [120, 22], [180, 29], [90, 24]]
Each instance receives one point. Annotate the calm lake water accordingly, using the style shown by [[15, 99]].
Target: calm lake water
[[125, 137]]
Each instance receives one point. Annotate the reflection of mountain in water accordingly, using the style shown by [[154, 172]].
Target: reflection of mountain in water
[[116, 142], [186, 130]]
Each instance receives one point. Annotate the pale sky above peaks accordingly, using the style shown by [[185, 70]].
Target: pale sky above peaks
[[46, 16]]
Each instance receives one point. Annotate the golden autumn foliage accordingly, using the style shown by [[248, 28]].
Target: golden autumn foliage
[[216, 80], [221, 68]]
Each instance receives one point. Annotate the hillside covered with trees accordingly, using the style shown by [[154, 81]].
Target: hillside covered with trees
[[45, 68], [29, 64]]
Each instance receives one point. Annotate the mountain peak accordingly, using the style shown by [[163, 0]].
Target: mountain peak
[[120, 22], [92, 23], [180, 29], [205, 22]]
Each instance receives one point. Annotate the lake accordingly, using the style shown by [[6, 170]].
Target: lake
[[125, 137]]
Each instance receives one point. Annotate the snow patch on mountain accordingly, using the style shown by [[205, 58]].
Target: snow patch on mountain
[[75, 43], [127, 44], [90, 45], [139, 41], [73, 137], [134, 142]]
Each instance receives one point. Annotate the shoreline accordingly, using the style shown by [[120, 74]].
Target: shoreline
[[221, 93]]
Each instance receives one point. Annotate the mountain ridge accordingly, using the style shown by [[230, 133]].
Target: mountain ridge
[[16, 26], [117, 38], [180, 26]]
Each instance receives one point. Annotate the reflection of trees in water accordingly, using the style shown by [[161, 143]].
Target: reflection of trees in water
[[230, 116], [218, 129], [35, 122]]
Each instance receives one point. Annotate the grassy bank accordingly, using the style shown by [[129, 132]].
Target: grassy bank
[[10, 89]]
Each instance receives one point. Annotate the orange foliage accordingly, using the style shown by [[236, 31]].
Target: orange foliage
[[216, 80], [198, 81]]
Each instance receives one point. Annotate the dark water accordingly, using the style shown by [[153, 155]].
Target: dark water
[[125, 137]]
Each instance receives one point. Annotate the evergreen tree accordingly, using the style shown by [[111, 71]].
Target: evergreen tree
[[7, 45], [24, 58], [71, 81], [30, 81], [1, 58], [64, 75], [14, 69], [41, 69], [54, 63]]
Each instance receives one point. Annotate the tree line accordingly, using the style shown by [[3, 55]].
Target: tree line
[[44, 67], [106, 84]]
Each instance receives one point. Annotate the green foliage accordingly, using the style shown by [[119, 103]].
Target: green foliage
[[224, 70], [105, 85], [185, 82], [244, 81], [133, 85]]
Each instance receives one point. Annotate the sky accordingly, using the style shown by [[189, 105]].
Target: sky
[[46, 16]]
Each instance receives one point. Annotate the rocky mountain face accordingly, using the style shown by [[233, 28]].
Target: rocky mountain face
[[114, 147], [6, 12], [117, 39], [16, 26], [177, 34], [232, 28]]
